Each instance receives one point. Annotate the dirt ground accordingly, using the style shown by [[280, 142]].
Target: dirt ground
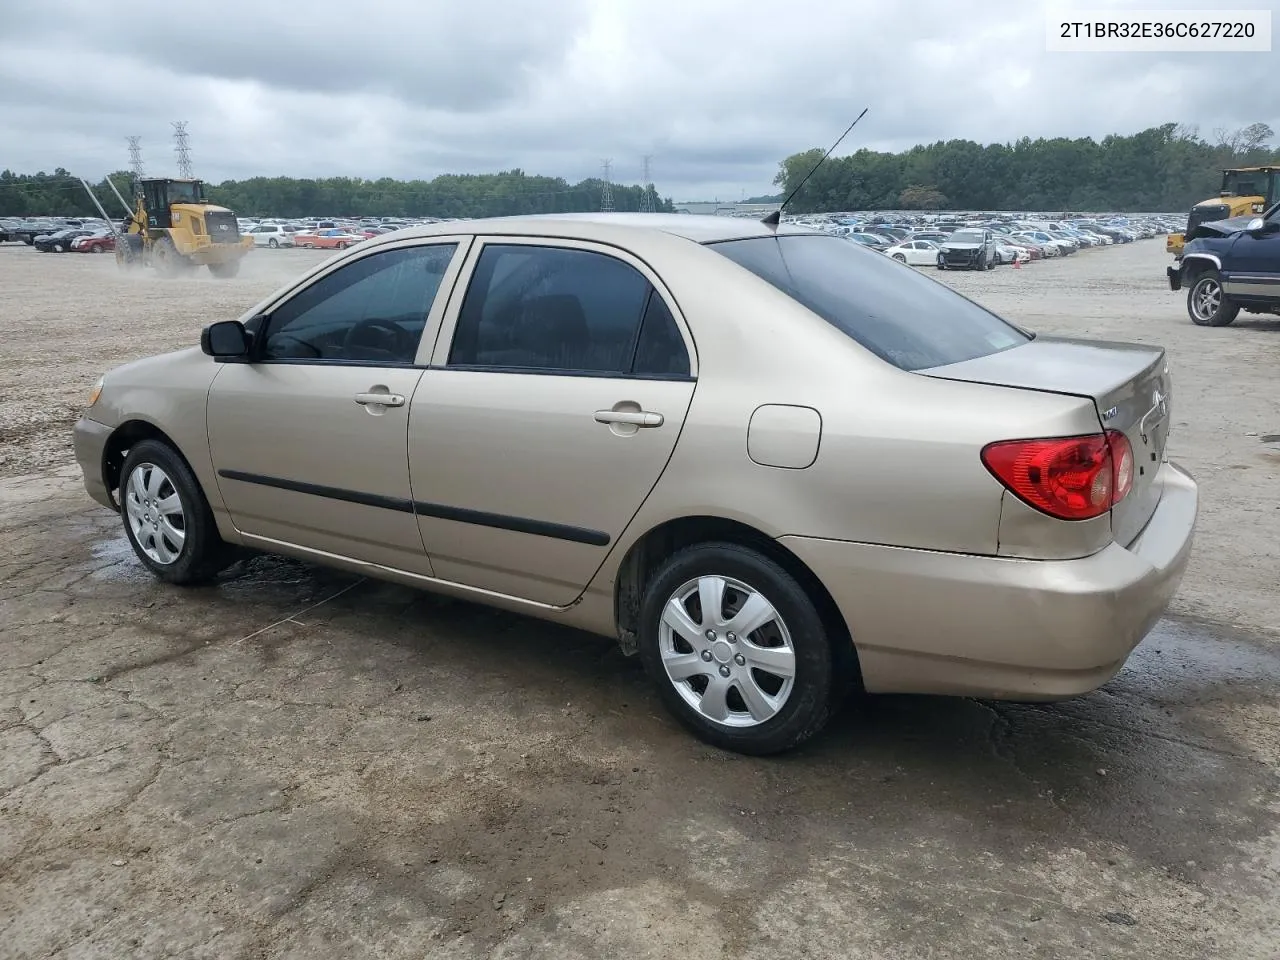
[[300, 763]]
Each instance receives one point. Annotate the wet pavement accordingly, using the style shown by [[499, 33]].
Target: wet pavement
[[300, 763]]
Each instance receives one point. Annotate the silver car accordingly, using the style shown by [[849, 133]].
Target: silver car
[[768, 461]]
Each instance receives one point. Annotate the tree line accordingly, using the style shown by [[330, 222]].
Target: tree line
[[509, 193], [1165, 168]]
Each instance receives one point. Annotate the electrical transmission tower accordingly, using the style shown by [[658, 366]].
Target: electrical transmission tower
[[135, 156], [606, 191], [646, 198], [182, 148]]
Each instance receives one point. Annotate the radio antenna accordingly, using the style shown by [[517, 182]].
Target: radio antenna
[[774, 218]]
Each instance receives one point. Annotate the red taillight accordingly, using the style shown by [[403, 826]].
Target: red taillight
[[1071, 478]]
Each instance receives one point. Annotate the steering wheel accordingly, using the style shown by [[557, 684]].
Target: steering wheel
[[377, 323]]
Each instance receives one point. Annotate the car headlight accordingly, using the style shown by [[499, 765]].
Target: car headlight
[[96, 391]]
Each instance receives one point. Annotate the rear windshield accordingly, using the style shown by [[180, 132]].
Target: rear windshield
[[900, 315]]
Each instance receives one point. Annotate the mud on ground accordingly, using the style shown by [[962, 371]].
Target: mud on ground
[[298, 763]]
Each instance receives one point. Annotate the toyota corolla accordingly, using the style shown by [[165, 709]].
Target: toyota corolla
[[770, 462]]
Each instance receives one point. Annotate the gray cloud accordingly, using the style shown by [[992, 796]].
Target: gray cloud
[[718, 91]]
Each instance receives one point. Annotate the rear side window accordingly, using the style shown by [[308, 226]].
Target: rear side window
[[901, 316], [557, 308]]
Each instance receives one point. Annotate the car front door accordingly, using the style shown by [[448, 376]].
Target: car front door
[[557, 391], [309, 438], [1255, 262]]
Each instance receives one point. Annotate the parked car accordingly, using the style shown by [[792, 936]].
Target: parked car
[[918, 253], [333, 238], [96, 242], [514, 404], [273, 235], [1231, 265], [1009, 252], [873, 240], [60, 240], [968, 249]]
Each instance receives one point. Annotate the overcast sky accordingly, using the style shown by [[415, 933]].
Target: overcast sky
[[718, 91]]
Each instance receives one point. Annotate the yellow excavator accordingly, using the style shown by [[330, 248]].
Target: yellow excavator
[[1244, 190]]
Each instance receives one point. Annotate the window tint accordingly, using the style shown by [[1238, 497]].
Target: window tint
[[660, 351], [550, 308], [901, 316], [371, 310]]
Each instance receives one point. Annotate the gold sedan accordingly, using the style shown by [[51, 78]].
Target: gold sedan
[[766, 460]]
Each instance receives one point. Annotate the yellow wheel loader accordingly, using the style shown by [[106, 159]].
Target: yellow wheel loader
[[1244, 190], [175, 229]]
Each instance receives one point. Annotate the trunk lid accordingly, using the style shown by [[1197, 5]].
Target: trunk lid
[[1130, 388]]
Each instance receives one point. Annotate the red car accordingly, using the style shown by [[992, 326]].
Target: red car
[[94, 243]]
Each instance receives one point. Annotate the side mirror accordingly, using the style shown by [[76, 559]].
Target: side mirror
[[226, 338], [1256, 225]]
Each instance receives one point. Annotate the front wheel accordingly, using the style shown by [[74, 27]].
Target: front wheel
[[1207, 305], [900, 257], [167, 518], [738, 650]]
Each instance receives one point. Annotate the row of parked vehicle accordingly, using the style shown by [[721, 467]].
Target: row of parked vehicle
[[322, 234], [985, 244]]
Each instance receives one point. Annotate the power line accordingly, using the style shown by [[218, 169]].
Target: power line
[[606, 189], [182, 148]]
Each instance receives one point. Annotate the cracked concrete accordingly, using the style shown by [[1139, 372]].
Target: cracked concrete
[[212, 773]]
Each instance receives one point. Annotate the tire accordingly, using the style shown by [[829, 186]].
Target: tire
[[225, 271], [273, 243], [900, 257], [991, 264], [1207, 305], [942, 266], [58, 248], [788, 710], [202, 552], [164, 255], [342, 245]]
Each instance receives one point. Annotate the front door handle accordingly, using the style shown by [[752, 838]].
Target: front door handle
[[381, 399], [638, 418]]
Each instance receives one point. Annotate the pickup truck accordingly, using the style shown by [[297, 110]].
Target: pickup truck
[[1228, 266]]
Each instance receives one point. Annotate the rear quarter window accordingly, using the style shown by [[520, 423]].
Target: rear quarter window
[[900, 315]]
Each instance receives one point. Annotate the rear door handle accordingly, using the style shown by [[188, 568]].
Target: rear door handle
[[381, 399], [639, 418]]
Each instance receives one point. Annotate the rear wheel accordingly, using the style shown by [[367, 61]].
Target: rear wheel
[[225, 271], [900, 257], [1207, 305], [273, 243], [738, 650], [167, 518]]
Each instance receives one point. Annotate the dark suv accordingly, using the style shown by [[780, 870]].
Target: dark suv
[[1233, 264]]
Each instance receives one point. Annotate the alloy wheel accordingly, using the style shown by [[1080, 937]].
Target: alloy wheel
[[1206, 299]]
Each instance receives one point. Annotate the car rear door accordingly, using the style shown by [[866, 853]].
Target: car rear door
[[554, 400], [309, 438]]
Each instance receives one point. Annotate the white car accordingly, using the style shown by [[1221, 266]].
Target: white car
[[1008, 251], [917, 253], [273, 235]]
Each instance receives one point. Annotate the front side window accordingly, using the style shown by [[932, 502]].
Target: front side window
[[370, 311], [556, 308], [901, 316]]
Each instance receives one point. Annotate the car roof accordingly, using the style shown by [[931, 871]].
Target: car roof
[[698, 228]]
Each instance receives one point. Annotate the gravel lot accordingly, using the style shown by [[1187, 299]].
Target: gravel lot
[[298, 763]]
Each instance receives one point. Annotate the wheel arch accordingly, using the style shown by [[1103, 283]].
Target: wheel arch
[[646, 554], [1194, 264], [128, 435]]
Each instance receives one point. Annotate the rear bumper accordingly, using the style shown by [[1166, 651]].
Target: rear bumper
[[931, 622], [90, 438]]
